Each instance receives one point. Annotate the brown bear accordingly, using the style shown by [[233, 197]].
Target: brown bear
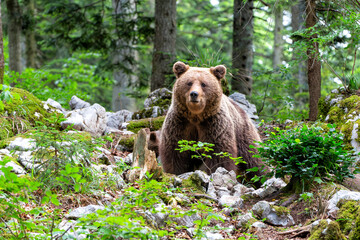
[[200, 111]]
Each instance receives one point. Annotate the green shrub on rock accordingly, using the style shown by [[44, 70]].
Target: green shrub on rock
[[307, 154]]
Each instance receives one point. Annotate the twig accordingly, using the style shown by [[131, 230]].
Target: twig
[[336, 74], [304, 228], [71, 226], [9, 228]]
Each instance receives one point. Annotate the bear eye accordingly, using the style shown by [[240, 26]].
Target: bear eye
[[189, 84], [203, 84]]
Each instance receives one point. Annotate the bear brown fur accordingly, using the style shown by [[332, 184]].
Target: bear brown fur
[[200, 111]]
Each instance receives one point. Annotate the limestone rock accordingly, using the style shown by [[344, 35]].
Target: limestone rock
[[243, 220], [153, 98], [83, 211], [22, 144], [77, 103], [54, 104], [249, 108], [197, 179], [231, 201], [341, 195], [116, 120], [269, 186], [91, 119], [274, 215]]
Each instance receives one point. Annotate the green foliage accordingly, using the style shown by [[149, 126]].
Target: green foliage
[[62, 78], [203, 150], [307, 154], [125, 218], [64, 159]]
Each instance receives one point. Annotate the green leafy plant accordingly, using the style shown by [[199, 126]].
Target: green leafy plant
[[64, 159], [307, 154], [203, 150]]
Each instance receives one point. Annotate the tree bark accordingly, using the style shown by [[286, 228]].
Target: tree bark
[[297, 23], [30, 40], [123, 72], [2, 63], [164, 43], [14, 33], [278, 37], [242, 54], [314, 65]]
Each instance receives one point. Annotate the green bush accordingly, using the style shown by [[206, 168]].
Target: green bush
[[307, 154]]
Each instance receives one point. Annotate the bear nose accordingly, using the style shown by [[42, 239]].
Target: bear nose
[[194, 94]]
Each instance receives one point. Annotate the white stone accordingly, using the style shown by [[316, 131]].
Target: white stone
[[259, 225], [341, 195], [230, 201], [83, 211], [22, 144]]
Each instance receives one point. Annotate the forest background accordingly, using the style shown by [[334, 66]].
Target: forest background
[[115, 52]]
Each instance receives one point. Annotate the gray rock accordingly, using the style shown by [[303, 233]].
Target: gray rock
[[83, 211], [263, 210], [91, 119], [199, 177], [341, 195], [161, 93], [211, 190], [27, 160], [77, 103], [158, 215], [115, 120], [259, 225], [269, 187], [54, 104], [17, 169], [73, 233], [240, 100], [239, 190], [186, 220], [230, 201], [213, 236], [243, 220], [22, 144]]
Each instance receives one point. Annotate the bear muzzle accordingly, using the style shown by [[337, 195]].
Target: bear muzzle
[[194, 96]]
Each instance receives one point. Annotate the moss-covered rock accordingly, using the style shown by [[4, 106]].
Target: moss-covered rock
[[21, 113], [355, 233], [327, 231], [153, 124], [349, 210], [344, 112]]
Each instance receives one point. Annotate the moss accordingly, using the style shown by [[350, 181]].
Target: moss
[[194, 182], [335, 115], [22, 113], [128, 142], [324, 108], [325, 231], [153, 123], [163, 103], [355, 233], [281, 211], [347, 214]]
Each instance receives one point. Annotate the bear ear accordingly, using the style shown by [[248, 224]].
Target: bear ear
[[219, 71], [179, 68]]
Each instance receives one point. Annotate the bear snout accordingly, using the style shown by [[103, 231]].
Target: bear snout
[[194, 96]]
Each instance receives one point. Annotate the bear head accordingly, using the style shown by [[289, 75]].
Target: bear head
[[198, 90]]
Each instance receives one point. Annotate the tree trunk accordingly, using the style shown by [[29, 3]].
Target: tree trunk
[[242, 55], [314, 65], [123, 72], [2, 63], [278, 37], [297, 23], [30, 41], [164, 43], [14, 33]]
